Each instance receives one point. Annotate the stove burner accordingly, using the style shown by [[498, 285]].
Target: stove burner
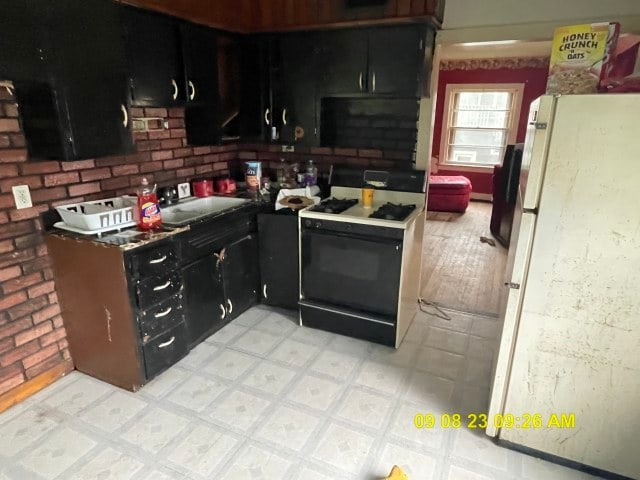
[[393, 211], [335, 205]]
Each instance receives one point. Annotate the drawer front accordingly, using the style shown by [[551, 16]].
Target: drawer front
[[152, 290], [165, 350], [154, 261], [161, 317]]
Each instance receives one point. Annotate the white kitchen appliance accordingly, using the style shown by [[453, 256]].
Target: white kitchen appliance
[[360, 267], [570, 342]]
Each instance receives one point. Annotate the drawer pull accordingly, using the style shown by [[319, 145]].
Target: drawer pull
[[168, 342], [162, 287], [163, 314], [264, 290], [158, 260], [224, 312], [230, 306]]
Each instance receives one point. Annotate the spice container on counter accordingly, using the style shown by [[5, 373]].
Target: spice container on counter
[[253, 175]]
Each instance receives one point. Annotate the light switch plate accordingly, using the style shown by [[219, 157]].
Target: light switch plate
[[22, 196], [184, 190], [288, 148]]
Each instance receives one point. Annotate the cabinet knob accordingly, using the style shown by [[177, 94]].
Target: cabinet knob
[[224, 312], [264, 290], [284, 116], [164, 313], [162, 287], [360, 81], [230, 306], [125, 116], [266, 117], [192, 93], [175, 89], [168, 342]]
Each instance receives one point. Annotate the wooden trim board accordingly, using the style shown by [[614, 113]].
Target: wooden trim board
[[33, 386]]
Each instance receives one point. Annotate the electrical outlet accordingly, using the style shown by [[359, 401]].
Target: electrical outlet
[[288, 148], [22, 196]]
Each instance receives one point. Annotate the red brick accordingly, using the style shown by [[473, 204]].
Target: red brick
[[114, 183], [176, 112], [218, 167], [28, 241], [46, 313], [15, 326], [39, 168], [140, 136], [32, 182], [65, 353], [204, 169], [159, 134], [9, 125], [84, 189], [182, 152], [11, 110], [247, 155], [155, 112], [176, 123], [214, 157], [53, 297], [6, 345], [15, 229], [7, 246], [173, 164], [5, 141], [18, 140], [20, 312], [8, 372], [136, 112], [48, 364], [13, 155], [27, 213], [6, 94], [52, 337], [21, 283], [150, 167], [19, 353], [111, 161], [9, 273], [41, 250], [363, 152], [178, 133], [33, 333], [148, 145], [138, 157], [42, 289], [95, 174], [185, 172], [57, 322], [46, 194], [201, 150], [125, 170], [61, 179], [165, 176], [162, 155], [78, 165], [4, 218], [35, 265], [11, 382], [12, 300], [349, 152], [40, 356], [8, 170], [171, 143]]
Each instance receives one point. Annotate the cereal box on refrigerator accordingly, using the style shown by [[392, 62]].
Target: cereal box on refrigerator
[[581, 57]]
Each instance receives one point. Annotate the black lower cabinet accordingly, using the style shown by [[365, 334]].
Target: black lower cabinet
[[279, 261], [204, 297], [165, 350], [241, 275]]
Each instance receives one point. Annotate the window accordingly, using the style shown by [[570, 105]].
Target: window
[[479, 122]]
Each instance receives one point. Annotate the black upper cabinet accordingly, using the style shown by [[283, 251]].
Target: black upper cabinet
[[344, 62], [396, 57], [254, 93], [300, 65], [79, 108], [200, 54], [154, 59], [19, 55]]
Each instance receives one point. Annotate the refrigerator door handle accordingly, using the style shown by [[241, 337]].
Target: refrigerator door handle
[[515, 286]]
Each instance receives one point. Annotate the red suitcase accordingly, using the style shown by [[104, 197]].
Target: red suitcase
[[448, 193]]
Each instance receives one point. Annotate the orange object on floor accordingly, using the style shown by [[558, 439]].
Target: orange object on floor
[[397, 474]]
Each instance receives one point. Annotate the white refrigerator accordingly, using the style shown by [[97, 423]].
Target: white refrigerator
[[570, 340]]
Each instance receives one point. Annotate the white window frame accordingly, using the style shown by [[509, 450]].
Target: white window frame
[[516, 90]]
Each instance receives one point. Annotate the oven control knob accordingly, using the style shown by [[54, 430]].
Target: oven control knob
[[307, 223], [318, 224]]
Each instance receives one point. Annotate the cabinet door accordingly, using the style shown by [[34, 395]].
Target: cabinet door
[[199, 47], [254, 87], [279, 271], [204, 297], [19, 39], [241, 275], [344, 62], [396, 56], [299, 64], [154, 62], [86, 48]]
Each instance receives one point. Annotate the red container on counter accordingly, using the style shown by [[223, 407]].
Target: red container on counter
[[202, 187]]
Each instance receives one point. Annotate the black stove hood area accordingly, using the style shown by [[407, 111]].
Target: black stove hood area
[[413, 181]]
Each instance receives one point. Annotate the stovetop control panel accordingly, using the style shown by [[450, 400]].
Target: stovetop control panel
[[352, 228]]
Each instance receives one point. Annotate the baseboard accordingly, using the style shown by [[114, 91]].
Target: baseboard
[[486, 197], [33, 386]]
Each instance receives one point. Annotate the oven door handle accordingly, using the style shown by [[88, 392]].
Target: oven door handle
[[355, 236]]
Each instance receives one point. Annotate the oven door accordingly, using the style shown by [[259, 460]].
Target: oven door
[[353, 271]]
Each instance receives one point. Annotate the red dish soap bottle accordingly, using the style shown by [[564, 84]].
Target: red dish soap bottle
[[149, 216]]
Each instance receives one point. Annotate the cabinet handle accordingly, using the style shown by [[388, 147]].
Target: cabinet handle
[[162, 287], [266, 117], [230, 306], [125, 116], [284, 116], [192, 95], [224, 312], [163, 314], [158, 260], [168, 342], [373, 82], [360, 81], [175, 89], [264, 290]]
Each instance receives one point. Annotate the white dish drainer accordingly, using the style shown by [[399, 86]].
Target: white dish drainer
[[98, 216]]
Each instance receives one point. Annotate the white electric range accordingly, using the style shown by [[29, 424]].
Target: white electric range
[[360, 267]]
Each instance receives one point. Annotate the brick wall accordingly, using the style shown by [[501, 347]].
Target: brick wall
[[32, 336]]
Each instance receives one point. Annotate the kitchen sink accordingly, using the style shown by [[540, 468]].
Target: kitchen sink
[[194, 209]]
